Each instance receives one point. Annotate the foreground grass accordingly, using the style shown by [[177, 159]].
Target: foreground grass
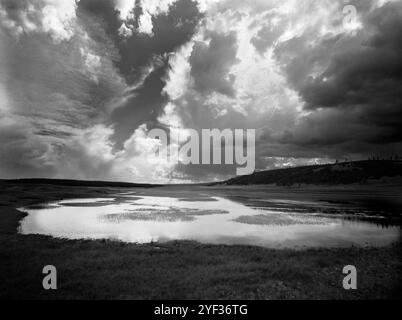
[[178, 270]]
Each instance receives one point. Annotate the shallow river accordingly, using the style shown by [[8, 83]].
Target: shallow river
[[215, 220]]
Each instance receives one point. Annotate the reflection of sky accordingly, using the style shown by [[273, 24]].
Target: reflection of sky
[[221, 221]]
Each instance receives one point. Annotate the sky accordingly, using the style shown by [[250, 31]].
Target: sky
[[83, 82]]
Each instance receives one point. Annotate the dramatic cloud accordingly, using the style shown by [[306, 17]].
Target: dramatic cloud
[[82, 82], [349, 84]]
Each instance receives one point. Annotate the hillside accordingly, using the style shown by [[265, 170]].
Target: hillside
[[330, 174]]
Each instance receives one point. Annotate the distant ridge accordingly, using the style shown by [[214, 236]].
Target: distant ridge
[[80, 183], [329, 174]]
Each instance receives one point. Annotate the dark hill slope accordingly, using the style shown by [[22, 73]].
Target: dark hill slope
[[331, 174]]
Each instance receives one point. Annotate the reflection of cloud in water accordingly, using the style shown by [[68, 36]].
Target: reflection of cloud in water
[[220, 221]]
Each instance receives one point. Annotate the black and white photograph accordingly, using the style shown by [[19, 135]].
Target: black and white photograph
[[219, 152]]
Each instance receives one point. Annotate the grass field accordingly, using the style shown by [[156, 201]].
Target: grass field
[[177, 270]]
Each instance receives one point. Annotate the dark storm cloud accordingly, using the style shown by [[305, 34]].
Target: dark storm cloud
[[211, 63], [104, 12], [370, 75], [355, 102], [141, 52], [144, 107], [170, 30]]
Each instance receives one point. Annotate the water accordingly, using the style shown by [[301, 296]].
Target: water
[[215, 220]]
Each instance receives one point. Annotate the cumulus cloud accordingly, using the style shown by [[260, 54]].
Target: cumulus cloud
[[54, 17], [138, 15], [90, 154]]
